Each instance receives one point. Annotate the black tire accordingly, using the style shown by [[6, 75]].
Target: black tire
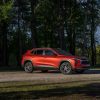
[[28, 67], [79, 71], [66, 68], [44, 71]]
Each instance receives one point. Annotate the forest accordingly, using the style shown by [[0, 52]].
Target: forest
[[67, 24]]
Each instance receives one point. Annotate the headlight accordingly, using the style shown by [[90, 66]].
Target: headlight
[[77, 61]]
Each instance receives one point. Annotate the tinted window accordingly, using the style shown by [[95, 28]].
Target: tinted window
[[49, 52], [38, 52], [62, 52], [33, 52]]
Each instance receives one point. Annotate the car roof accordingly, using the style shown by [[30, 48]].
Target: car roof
[[42, 48]]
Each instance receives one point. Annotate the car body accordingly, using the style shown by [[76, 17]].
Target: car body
[[45, 59]]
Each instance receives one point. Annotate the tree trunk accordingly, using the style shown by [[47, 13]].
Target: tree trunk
[[33, 25], [61, 26], [19, 37], [72, 30], [4, 44], [93, 48], [72, 40]]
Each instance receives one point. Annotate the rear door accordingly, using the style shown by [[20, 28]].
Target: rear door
[[38, 57]]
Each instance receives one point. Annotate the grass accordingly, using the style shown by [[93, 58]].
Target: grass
[[30, 91], [97, 66]]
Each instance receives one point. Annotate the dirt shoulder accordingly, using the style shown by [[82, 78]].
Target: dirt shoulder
[[50, 77]]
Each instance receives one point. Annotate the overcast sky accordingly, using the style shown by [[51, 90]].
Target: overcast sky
[[98, 34]]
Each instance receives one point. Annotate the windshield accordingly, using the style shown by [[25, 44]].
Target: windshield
[[63, 52]]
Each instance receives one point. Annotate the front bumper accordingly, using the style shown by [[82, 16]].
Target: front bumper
[[83, 67]]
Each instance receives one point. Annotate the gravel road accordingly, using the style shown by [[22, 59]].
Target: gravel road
[[51, 77]]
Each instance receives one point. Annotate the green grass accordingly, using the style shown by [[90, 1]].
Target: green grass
[[95, 66], [31, 91]]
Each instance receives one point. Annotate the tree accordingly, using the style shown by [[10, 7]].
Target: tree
[[5, 6], [68, 24], [33, 24], [93, 27]]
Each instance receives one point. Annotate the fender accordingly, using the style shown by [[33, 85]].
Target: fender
[[27, 61], [66, 61]]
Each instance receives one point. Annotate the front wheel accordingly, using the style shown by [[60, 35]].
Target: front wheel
[[66, 68], [28, 67]]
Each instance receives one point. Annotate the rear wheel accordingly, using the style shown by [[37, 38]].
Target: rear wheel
[[66, 68], [28, 67]]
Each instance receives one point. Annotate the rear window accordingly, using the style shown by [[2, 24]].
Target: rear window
[[49, 53]]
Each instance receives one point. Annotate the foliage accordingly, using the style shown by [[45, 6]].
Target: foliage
[[68, 24], [5, 9]]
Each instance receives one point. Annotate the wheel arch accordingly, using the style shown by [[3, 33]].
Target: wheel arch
[[27, 61], [63, 62]]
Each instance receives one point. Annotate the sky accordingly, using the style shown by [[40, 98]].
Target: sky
[[97, 35]]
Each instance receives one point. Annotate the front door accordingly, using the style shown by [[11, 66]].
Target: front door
[[51, 59]]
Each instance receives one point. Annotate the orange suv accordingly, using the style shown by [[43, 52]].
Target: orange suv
[[45, 59]]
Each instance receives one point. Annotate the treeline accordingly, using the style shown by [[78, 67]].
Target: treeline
[[67, 24]]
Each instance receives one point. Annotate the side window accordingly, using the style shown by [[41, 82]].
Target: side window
[[37, 52], [33, 52], [49, 53]]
